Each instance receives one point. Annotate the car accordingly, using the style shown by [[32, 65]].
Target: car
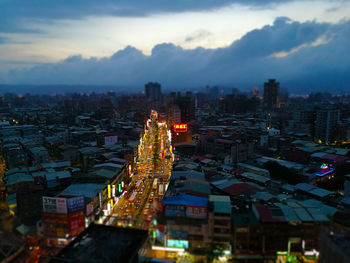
[[151, 210], [145, 212], [137, 206], [147, 205], [148, 218], [150, 199]]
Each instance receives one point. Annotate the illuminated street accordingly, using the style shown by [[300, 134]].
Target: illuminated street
[[136, 208], [4, 209]]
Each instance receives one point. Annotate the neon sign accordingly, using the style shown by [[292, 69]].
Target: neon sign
[[325, 170], [324, 166], [174, 243], [180, 127]]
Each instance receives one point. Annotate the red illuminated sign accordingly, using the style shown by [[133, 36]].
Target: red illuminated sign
[[181, 127]]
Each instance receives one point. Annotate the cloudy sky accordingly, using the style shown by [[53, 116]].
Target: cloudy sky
[[186, 43]]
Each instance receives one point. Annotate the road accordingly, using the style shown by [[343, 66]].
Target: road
[[137, 207]]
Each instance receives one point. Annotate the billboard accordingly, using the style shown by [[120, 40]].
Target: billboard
[[76, 223], [180, 127], [63, 225], [55, 225], [175, 210], [54, 205], [177, 243], [59, 205], [75, 204]]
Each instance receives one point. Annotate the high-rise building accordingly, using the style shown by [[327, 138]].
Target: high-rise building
[[186, 105], [271, 90], [153, 91], [174, 114], [327, 118]]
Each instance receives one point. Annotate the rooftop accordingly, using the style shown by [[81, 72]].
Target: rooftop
[[87, 190], [100, 243], [329, 156], [193, 186], [17, 178], [222, 204], [187, 175], [240, 188], [255, 177], [244, 218], [313, 190], [290, 165], [185, 199]]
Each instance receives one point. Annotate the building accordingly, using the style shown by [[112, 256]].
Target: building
[[15, 156], [334, 248], [187, 214], [87, 155], [271, 91], [261, 233], [14, 181], [327, 119], [39, 154], [62, 218], [100, 243], [29, 201], [106, 138], [187, 106], [153, 91], [174, 114], [219, 218]]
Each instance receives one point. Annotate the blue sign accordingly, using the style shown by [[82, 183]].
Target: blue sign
[[76, 204], [177, 243], [175, 211]]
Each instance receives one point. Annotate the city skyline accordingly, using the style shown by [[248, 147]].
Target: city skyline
[[229, 43]]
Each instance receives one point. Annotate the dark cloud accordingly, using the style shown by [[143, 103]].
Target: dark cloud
[[283, 35], [198, 35], [249, 61], [15, 13]]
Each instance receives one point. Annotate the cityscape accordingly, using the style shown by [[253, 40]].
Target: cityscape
[[184, 142]]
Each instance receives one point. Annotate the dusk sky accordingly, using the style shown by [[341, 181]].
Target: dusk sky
[[304, 44]]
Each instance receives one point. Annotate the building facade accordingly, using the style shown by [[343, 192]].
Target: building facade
[[271, 91]]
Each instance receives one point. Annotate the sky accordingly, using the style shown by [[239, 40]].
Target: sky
[[305, 45]]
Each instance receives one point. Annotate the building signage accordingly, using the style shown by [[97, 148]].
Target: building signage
[[54, 205], [76, 223], [89, 208], [175, 210], [196, 212], [177, 243], [180, 127], [75, 204]]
